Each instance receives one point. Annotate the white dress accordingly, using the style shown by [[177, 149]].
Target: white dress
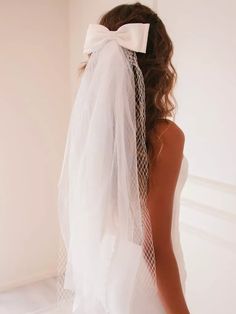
[[175, 222], [143, 302], [151, 304]]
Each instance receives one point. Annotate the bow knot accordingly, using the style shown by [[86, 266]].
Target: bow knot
[[132, 36], [112, 35]]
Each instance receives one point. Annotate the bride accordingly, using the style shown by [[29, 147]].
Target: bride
[[122, 174]]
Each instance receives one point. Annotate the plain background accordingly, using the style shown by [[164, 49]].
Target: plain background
[[41, 48]]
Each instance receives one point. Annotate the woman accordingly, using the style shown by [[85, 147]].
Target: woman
[[121, 168]]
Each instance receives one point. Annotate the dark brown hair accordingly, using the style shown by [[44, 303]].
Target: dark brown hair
[[158, 71]]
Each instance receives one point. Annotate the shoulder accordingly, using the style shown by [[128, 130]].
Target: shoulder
[[170, 135], [169, 131], [168, 154]]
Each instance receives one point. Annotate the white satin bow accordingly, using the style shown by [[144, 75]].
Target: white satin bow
[[132, 36]]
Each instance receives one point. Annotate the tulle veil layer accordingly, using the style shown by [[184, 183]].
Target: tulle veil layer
[[107, 248]]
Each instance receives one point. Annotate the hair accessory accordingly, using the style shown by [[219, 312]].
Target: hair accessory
[[132, 36]]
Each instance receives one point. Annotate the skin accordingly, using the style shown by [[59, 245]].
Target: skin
[[163, 176]]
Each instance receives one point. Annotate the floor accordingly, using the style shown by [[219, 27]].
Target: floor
[[36, 298]]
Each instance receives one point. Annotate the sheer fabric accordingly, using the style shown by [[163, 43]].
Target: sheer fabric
[[107, 250]]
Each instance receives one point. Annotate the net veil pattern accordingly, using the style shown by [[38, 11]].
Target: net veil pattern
[[106, 262]]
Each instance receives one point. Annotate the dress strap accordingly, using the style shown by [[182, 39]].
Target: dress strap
[[160, 136]]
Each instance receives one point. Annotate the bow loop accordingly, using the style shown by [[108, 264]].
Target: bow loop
[[132, 36]]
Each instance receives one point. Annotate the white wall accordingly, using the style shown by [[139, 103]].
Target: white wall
[[34, 103], [205, 47]]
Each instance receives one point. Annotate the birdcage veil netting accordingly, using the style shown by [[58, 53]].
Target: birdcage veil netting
[[106, 251]]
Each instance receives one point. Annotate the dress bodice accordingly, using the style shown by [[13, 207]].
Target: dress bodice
[[175, 232]]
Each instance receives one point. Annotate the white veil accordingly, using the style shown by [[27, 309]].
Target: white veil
[[107, 247]]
